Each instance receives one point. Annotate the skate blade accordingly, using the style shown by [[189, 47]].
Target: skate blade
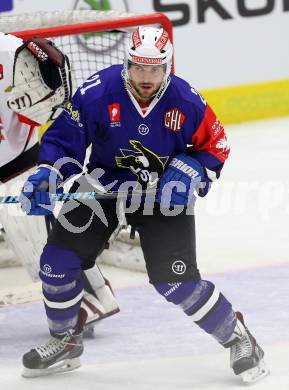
[[255, 374], [63, 366]]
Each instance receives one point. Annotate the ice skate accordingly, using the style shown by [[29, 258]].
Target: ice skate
[[246, 356], [59, 354]]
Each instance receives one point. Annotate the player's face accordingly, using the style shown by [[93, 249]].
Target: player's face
[[146, 79]]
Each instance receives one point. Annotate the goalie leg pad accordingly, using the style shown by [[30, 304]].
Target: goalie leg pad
[[60, 272], [98, 300], [206, 306]]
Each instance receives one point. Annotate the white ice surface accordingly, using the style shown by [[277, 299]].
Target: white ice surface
[[150, 345], [244, 220]]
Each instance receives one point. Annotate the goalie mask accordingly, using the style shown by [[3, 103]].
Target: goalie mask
[[149, 46], [41, 81]]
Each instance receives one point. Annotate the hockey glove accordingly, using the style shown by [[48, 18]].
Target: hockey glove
[[184, 177], [35, 197]]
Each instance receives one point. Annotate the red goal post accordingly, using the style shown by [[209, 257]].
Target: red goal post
[[92, 40]]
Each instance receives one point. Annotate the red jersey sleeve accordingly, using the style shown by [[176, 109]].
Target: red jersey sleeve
[[209, 142], [210, 136]]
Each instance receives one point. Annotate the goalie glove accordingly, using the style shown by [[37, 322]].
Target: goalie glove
[[183, 177], [35, 197], [41, 81]]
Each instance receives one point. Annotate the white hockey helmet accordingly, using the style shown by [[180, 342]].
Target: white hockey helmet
[[149, 45]]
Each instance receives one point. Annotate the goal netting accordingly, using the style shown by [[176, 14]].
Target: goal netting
[[92, 40]]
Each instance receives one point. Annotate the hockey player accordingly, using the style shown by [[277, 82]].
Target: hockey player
[[40, 76], [146, 127]]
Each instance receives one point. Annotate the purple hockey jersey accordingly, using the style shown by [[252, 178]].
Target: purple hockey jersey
[[126, 143]]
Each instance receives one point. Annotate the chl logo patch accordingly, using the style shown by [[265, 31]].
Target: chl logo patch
[[179, 267], [174, 119]]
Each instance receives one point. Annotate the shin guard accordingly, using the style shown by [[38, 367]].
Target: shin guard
[[60, 272], [204, 304]]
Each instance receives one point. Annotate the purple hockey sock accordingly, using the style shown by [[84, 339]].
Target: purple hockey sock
[[206, 306], [60, 272]]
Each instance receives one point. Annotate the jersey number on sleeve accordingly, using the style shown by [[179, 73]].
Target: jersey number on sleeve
[[92, 82], [198, 94]]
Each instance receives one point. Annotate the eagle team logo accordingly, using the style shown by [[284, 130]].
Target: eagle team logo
[[143, 163], [174, 119]]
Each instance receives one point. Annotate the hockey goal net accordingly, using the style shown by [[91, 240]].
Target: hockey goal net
[[92, 40]]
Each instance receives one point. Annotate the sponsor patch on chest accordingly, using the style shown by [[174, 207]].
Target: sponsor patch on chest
[[114, 114]]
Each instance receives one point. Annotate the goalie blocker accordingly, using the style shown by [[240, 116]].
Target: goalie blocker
[[41, 80]]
